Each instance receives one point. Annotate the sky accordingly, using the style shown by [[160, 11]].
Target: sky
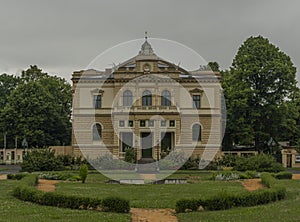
[[61, 36]]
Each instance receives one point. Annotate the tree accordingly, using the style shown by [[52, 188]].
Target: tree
[[7, 84], [214, 66], [258, 89], [39, 109]]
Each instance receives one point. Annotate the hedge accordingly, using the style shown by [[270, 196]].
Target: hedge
[[27, 192], [225, 200]]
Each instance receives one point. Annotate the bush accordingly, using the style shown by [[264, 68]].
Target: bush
[[83, 172], [17, 176], [284, 175], [27, 192], [115, 204], [259, 163], [42, 159], [130, 155], [187, 205], [225, 200]]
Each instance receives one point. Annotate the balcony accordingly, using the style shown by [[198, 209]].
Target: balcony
[[142, 109]]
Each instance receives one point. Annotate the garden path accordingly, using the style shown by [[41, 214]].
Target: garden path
[[3, 177], [252, 184], [46, 185], [152, 215], [296, 176]]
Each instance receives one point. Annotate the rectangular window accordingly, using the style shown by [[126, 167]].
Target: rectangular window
[[142, 123], [130, 123], [97, 101], [127, 140], [163, 123], [1, 155], [12, 155], [172, 123], [196, 101], [151, 123], [121, 123]]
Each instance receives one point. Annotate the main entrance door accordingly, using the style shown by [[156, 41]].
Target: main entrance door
[[147, 139]]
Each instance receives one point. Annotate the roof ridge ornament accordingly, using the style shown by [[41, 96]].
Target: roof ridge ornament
[[146, 48]]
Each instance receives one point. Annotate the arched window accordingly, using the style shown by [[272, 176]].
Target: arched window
[[127, 98], [147, 98], [166, 98], [196, 132], [97, 132]]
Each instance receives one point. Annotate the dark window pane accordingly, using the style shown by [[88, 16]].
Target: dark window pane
[[196, 132], [147, 98], [196, 101], [127, 98], [166, 98], [97, 132], [97, 101]]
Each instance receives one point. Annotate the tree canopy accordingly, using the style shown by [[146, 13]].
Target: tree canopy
[[260, 92], [38, 109]]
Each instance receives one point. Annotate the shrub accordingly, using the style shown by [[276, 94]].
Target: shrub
[[130, 155], [83, 172], [284, 175], [27, 192], [42, 159], [116, 204], [17, 176], [225, 200], [259, 163], [185, 204]]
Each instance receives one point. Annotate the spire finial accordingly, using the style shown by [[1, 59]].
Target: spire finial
[[146, 35]]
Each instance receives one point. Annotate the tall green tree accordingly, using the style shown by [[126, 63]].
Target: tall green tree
[[258, 88], [39, 109], [7, 84]]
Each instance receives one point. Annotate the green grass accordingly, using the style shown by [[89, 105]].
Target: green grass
[[158, 196], [14, 210], [286, 210], [149, 196]]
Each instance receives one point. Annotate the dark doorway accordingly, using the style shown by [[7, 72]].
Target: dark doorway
[[147, 139], [166, 142]]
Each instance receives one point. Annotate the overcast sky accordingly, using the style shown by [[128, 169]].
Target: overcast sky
[[61, 36]]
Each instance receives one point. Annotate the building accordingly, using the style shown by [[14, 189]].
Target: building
[[149, 104]]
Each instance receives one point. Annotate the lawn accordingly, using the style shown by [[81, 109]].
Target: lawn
[[14, 210], [148, 195], [286, 211], [158, 196]]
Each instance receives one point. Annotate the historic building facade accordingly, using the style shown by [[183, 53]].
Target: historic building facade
[[149, 104]]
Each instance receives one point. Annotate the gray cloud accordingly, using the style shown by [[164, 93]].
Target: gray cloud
[[63, 36]]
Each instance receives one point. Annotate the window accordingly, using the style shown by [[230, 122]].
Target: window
[[127, 98], [1, 155], [196, 132], [172, 123], [12, 155], [163, 123], [147, 98], [142, 123], [121, 123], [151, 123], [97, 132], [166, 98], [196, 101], [127, 140], [130, 123], [97, 101]]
